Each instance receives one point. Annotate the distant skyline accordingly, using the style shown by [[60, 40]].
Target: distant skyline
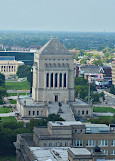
[[58, 15]]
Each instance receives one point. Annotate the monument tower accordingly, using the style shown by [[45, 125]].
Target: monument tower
[[53, 74]]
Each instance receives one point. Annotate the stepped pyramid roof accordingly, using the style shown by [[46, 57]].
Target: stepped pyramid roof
[[54, 47]]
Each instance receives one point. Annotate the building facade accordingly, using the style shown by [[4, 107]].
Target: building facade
[[53, 74], [8, 65], [113, 72], [53, 82], [71, 134]]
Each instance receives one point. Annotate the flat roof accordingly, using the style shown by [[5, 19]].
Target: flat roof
[[80, 102], [95, 125], [65, 123], [7, 58], [80, 151], [49, 154]]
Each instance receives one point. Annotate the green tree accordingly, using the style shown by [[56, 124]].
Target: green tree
[[80, 81], [112, 89], [23, 70], [98, 62]]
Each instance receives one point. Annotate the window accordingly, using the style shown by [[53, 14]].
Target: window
[[86, 112], [82, 112], [65, 80], [102, 143], [90, 143], [33, 112], [50, 144], [29, 112], [51, 79], [47, 80], [56, 77], [44, 144], [77, 143], [112, 151], [60, 80], [55, 144], [75, 131], [66, 143], [112, 142], [78, 112], [61, 144], [37, 112], [105, 151]]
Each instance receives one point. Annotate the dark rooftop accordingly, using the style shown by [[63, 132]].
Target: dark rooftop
[[7, 58]]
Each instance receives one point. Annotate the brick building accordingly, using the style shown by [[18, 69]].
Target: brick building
[[73, 134]]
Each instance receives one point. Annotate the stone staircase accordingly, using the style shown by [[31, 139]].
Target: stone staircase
[[67, 112]]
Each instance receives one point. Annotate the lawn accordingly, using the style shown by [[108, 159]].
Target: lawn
[[8, 119], [4, 110], [18, 85], [13, 101], [103, 109], [15, 94], [10, 157], [103, 120]]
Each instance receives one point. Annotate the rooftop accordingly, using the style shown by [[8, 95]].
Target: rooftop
[[65, 123], [54, 47], [80, 151], [49, 154], [10, 58], [29, 101], [96, 125]]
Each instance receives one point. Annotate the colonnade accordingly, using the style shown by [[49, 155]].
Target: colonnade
[[56, 80], [7, 68]]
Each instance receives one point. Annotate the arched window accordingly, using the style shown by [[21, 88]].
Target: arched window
[[51, 79], [65, 80], [56, 77], [47, 80], [60, 80]]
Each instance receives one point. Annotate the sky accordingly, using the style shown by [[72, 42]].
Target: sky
[[58, 15]]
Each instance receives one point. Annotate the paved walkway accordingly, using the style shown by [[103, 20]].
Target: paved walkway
[[67, 112], [103, 114], [18, 91], [7, 114]]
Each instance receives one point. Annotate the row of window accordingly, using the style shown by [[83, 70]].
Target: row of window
[[51, 77], [55, 144], [34, 113], [105, 151], [92, 143], [7, 68], [57, 65], [57, 59], [82, 112]]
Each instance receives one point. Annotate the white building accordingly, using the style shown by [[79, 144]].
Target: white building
[[53, 81]]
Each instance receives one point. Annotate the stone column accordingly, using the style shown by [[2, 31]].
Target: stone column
[[49, 80], [53, 80], [58, 80], [67, 80], [62, 80], [45, 81]]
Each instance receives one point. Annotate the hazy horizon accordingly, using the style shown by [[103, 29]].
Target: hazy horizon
[[61, 15]]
